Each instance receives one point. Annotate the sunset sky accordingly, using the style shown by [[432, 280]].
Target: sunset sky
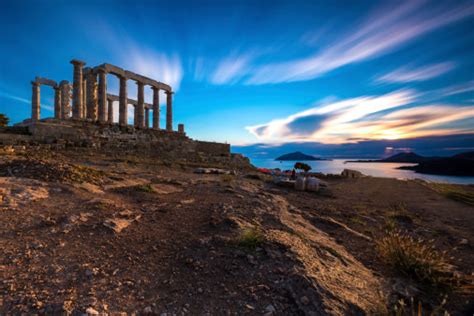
[[261, 72]]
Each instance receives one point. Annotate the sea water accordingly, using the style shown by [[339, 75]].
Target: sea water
[[375, 169]]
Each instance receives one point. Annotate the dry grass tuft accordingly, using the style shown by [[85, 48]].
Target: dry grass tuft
[[251, 238], [416, 259], [145, 188], [454, 192], [227, 178]]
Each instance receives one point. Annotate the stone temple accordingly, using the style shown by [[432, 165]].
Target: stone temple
[[83, 118]]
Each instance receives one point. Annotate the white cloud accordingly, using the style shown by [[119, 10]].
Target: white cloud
[[365, 118], [158, 66], [409, 74], [231, 69], [382, 33], [44, 106]]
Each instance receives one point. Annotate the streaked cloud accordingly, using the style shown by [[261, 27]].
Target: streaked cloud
[[383, 32], [156, 65], [366, 118], [409, 74], [10, 96], [231, 69]]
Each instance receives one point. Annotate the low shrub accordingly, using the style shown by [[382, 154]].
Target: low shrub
[[416, 259]]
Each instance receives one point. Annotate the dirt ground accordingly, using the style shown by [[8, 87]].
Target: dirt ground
[[123, 235]]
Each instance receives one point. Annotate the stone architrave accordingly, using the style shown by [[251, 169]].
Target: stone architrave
[[35, 101], [77, 88], [123, 101], [169, 111], [156, 108]]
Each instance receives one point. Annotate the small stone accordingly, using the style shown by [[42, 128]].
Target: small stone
[[270, 308], [305, 300], [147, 310], [200, 290], [90, 311], [464, 241]]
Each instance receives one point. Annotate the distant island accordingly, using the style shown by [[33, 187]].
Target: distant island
[[297, 156], [458, 165], [401, 158]]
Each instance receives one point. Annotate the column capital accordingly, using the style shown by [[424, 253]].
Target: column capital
[[102, 70], [155, 88], [35, 83], [139, 83], [169, 92], [78, 62]]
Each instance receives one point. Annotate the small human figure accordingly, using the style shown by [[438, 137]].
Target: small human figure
[[293, 174]]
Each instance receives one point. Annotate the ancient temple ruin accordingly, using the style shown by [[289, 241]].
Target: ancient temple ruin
[[83, 120], [92, 103]]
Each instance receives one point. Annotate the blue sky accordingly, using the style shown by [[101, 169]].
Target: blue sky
[[271, 72]]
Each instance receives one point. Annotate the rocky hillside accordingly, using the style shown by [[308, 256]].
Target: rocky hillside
[[87, 233]]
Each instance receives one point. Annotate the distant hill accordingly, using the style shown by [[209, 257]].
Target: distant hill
[[458, 165], [297, 156], [401, 157], [466, 155]]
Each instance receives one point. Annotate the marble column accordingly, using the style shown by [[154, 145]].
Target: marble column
[[102, 96], [65, 99], [156, 108], [181, 128], [140, 123], [135, 120], [57, 102], [147, 117], [77, 89], [110, 111], [91, 96], [84, 98], [169, 111], [35, 101], [123, 102]]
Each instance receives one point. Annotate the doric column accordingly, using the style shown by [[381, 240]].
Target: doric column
[[77, 89], [102, 95], [110, 111], [140, 123], [84, 97], [169, 111], [123, 102], [147, 118], [57, 102], [156, 108], [91, 96], [35, 101], [135, 115], [65, 99], [181, 128]]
